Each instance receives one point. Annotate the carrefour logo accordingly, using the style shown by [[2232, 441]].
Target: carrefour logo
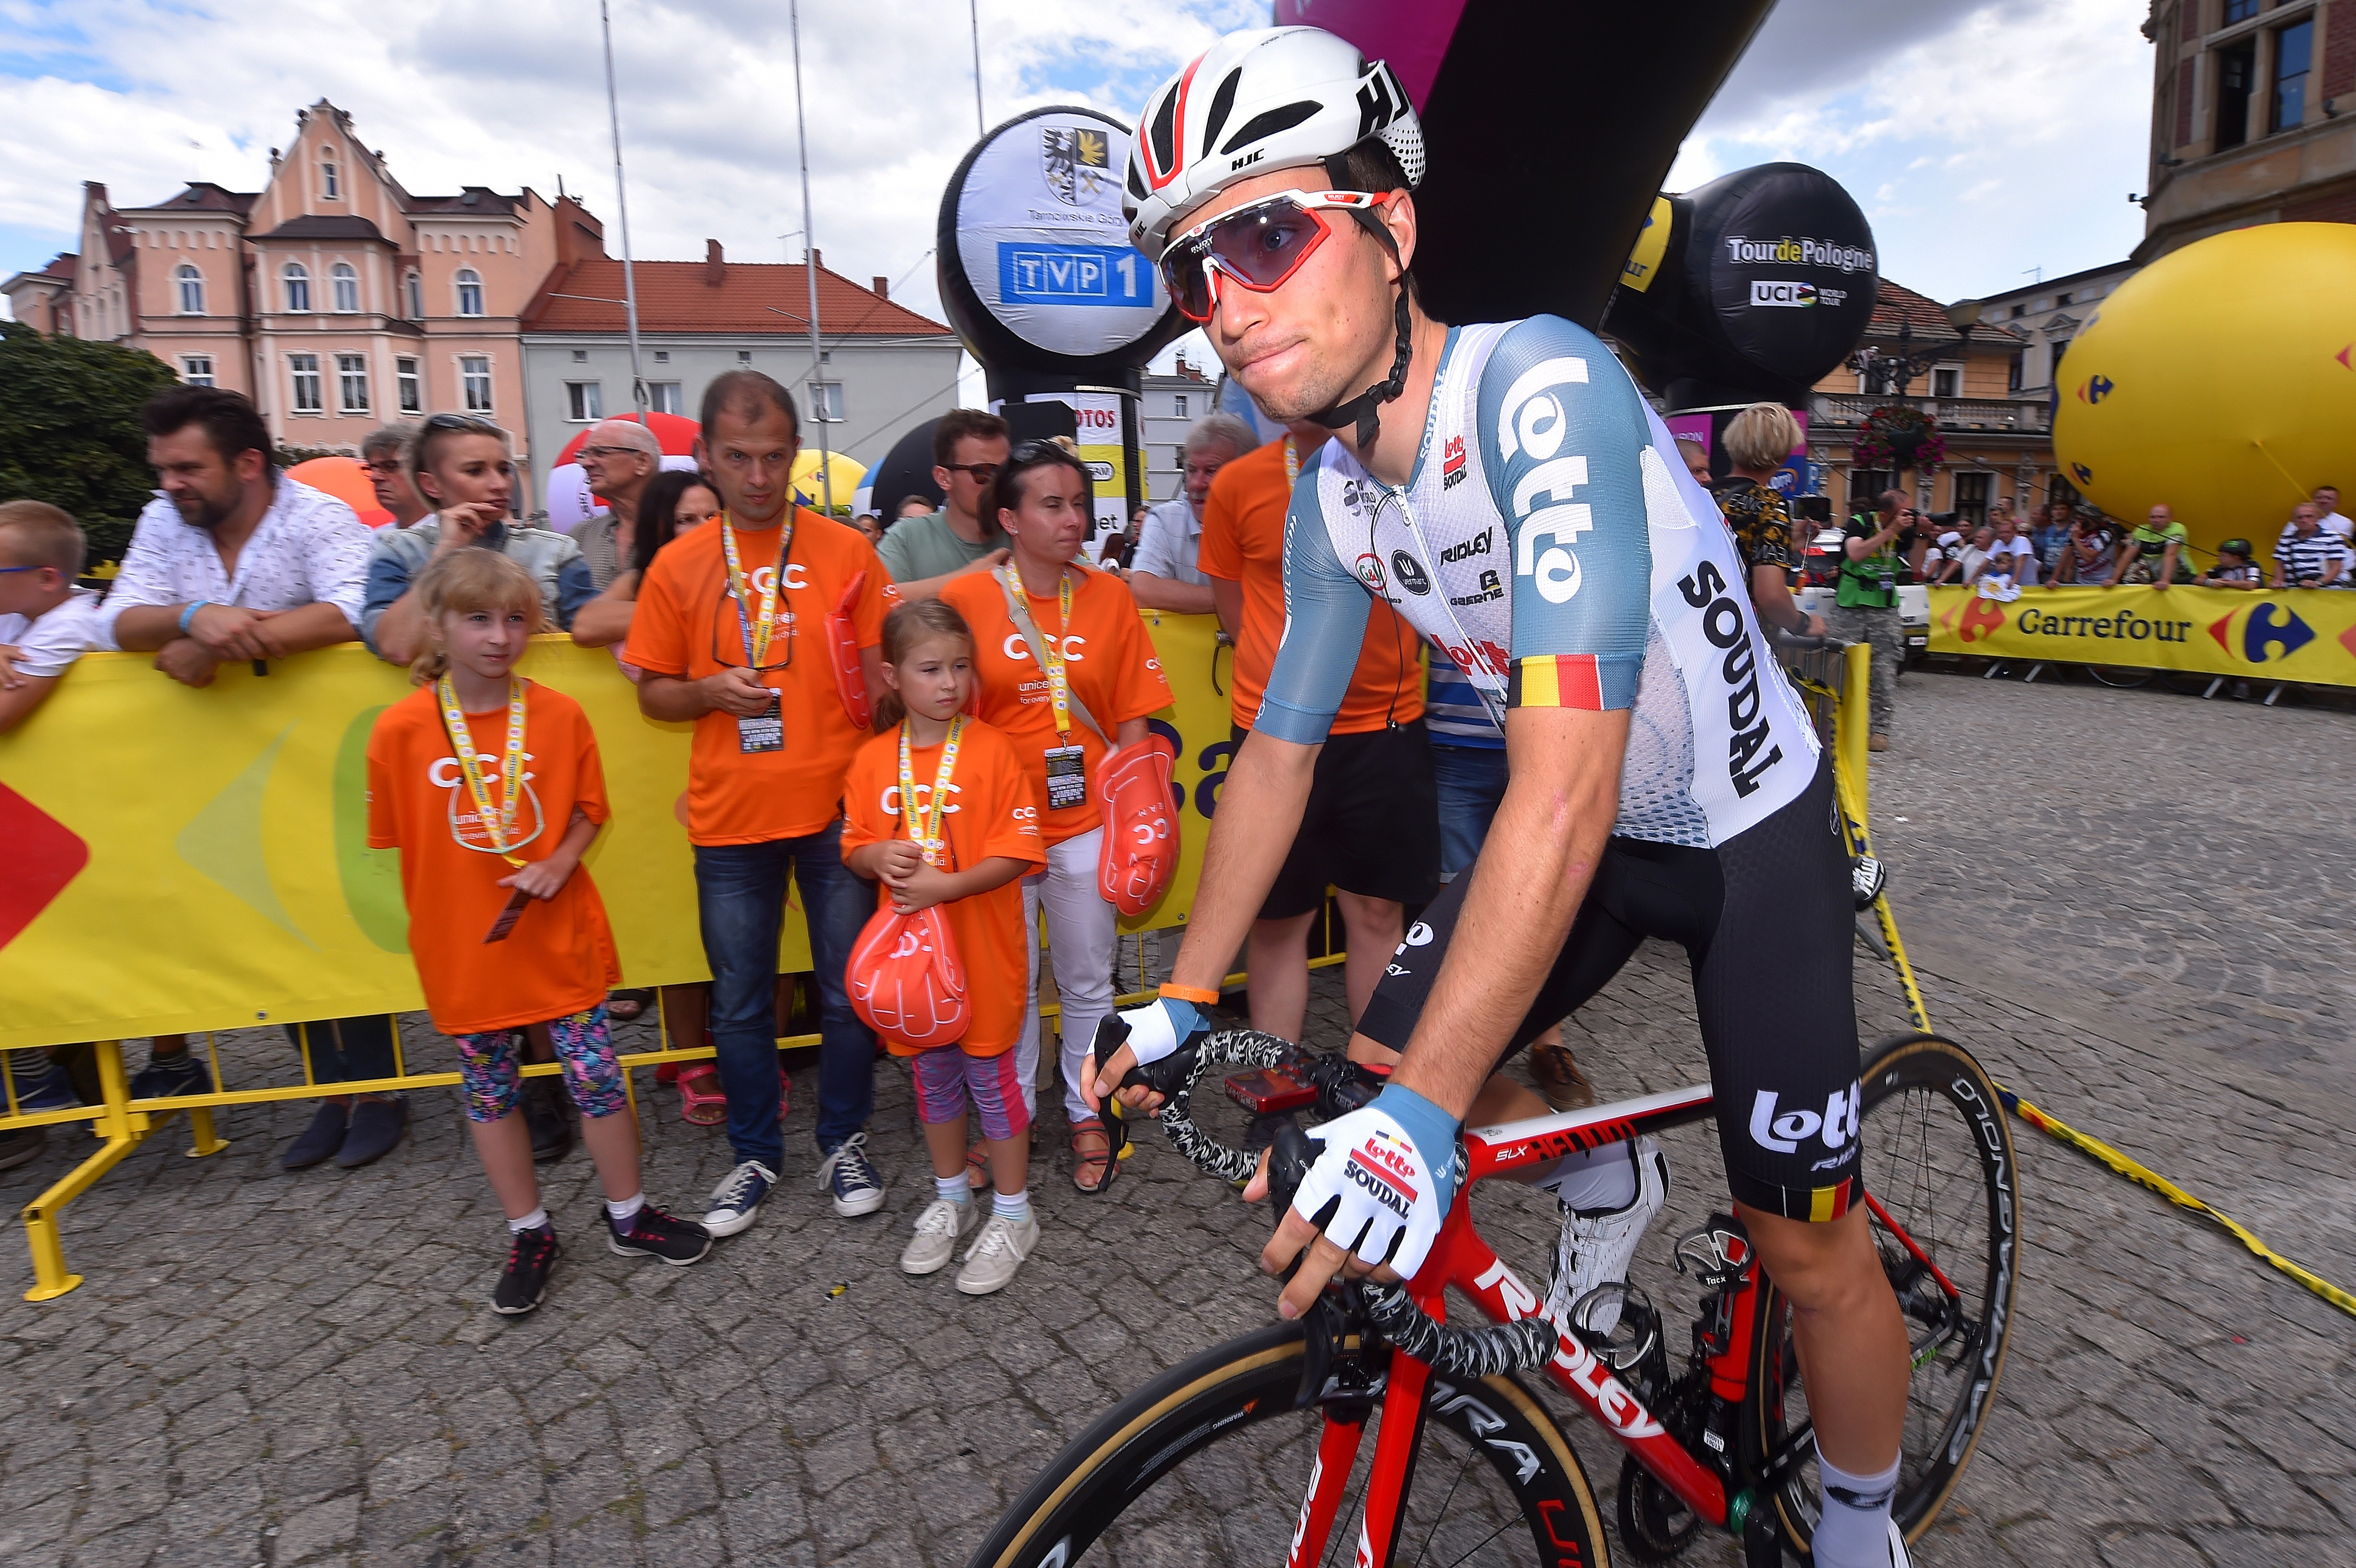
[[2273, 631]]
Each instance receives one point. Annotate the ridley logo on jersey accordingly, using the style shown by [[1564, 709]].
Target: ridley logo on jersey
[[1722, 623], [1465, 550]]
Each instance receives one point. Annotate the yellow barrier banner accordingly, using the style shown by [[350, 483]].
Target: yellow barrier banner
[[2299, 634], [175, 859]]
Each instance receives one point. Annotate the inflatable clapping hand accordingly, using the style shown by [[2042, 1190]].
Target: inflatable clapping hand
[[906, 979], [1140, 825]]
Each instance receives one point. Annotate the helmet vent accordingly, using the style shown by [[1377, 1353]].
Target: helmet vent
[[1164, 131], [1222, 102], [1275, 122]]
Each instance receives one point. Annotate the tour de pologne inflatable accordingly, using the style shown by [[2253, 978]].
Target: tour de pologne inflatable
[[2220, 379]]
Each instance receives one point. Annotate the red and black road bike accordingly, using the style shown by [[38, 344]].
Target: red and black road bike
[[1373, 1431]]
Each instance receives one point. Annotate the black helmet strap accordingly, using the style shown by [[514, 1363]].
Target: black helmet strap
[[1361, 410]]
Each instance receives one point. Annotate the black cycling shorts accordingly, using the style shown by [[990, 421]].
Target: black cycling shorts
[[1768, 921], [1371, 825]]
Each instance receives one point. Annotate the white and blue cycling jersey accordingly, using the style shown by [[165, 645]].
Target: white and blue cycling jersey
[[1551, 545]]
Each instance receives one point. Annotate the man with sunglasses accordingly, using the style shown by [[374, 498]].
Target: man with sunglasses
[[620, 458], [923, 553], [384, 458], [1506, 488]]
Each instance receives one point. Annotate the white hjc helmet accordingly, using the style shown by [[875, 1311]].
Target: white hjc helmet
[[1274, 97]]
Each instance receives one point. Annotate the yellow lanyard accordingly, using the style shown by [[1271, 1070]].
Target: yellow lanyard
[[498, 826], [930, 841], [1059, 689], [759, 628]]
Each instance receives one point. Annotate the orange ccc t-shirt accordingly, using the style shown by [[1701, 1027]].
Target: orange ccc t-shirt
[[1243, 542], [1107, 658], [993, 810], [686, 627], [559, 960]]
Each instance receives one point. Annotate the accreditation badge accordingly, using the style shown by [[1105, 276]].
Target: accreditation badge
[[1067, 777], [763, 731]]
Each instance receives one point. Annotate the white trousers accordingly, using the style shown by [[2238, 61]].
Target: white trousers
[[1081, 935]]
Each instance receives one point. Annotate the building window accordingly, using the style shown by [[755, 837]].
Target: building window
[[2060, 300], [2018, 311], [2294, 52], [2239, 11], [475, 380], [2053, 359], [415, 286], [351, 382], [2237, 70], [1971, 499], [580, 356], [663, 356], [347, 287], [825, 401], [1946, 382], [192, 290], [470, 291], [330, 187], [2012, 373], [2060, 492], [298, 287], [664, 398], [305, 370], [1865, 488], [584, 401], [744, 356], [410, 385], [1179, 406], [197, 370]]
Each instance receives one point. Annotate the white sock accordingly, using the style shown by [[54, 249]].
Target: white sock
[[626, 1214], [535, 1221], [1014, 1206], [1855, 1529], [1600, 1181], [954, 1189]]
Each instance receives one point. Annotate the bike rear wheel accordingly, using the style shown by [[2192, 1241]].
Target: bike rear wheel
[[1209, 1463], [1938, 1160]]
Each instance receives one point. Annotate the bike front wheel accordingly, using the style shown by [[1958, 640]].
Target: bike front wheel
[[1942, 1186], [1209, 1463]]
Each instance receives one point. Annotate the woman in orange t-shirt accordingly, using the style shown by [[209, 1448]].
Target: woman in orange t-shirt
[[477, 773], [970, 835], [1100, 681]]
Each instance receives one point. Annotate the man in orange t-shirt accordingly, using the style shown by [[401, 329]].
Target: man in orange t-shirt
[[1371, 828], [757, 676]]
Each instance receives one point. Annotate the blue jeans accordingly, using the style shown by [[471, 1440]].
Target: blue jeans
[[1471, 781], [740, 896], [347, 1050]]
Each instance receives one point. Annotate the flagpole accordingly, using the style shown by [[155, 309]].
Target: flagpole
[[973, 13], [810, 267], [622, 201]]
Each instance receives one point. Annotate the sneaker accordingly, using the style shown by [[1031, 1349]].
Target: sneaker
[[738, 1197], [1898, 1557], [1566, 1088], [41, 1084], [848, 1177], [19, 1146], [168, 1077], [531, 1256], [1596, 1248], [656, 1234], [939, 1228], [997, 1254], [320, 1140]]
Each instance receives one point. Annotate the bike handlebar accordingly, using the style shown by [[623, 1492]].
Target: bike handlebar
[[1465, 1352]]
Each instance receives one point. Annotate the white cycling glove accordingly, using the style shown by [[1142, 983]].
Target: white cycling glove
[[1388, 1173], [1159, 1027]]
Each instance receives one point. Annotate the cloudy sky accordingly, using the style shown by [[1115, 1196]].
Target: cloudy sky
[[1985, 138]]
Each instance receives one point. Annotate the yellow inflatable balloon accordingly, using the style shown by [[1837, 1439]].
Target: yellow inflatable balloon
[[2222, 380]]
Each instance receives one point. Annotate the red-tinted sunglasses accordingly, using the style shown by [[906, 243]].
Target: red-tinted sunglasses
[[1259, 245]]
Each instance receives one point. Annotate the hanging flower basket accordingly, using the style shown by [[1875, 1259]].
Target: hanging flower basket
[[1898, 436]]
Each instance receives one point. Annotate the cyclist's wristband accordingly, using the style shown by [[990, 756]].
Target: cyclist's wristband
[[189, 614], [1194, 994]]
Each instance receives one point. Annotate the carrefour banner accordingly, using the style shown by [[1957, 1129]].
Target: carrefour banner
[[175, 860], [2301, 634]]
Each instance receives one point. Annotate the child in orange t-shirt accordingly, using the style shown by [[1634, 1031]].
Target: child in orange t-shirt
[[971, 835], [480, 772]]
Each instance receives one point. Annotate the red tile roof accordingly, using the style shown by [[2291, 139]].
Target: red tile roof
[[750, 298], [1897, 305]]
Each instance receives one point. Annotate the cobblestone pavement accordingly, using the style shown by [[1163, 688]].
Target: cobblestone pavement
[[2124, 901]]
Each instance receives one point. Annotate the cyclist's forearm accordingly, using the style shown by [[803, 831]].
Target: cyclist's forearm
[[1561, 795], [1260, 813]]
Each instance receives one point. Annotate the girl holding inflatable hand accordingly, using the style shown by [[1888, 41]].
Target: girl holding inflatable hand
[[1065, 669]]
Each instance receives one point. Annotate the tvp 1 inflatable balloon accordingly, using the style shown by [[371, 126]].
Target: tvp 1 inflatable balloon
[[2220, 379]]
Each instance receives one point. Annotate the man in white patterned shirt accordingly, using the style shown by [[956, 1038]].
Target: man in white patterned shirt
[[234, 560]]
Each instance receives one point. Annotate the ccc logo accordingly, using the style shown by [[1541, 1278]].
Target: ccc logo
[[1014, 647], [442, 772]]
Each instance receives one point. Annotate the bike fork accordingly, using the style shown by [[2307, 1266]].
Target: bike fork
[[1388, 1482]]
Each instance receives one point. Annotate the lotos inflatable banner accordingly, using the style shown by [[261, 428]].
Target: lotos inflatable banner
[[180, 859], [2303, 635]]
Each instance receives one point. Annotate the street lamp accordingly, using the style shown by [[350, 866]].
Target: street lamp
[[1881, 370]]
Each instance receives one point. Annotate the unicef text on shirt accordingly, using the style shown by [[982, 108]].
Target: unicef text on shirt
[[1807, 252]]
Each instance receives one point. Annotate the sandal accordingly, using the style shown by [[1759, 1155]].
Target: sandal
[[701, 1101], [1096, 1169], [627, 1007], [976, 1168]]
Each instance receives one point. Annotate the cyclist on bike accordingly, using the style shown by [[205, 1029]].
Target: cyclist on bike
[[1506, 489]]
